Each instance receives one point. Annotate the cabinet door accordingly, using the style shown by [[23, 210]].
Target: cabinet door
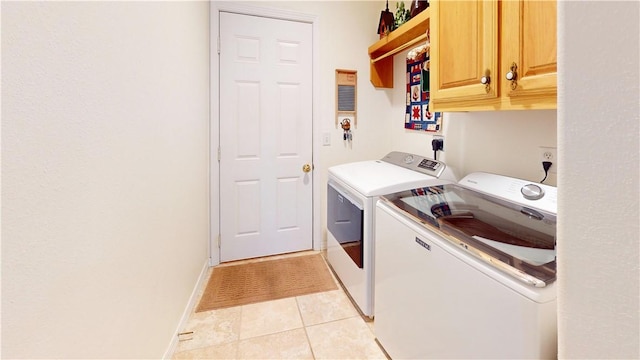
[[464, 48], [528, 32]]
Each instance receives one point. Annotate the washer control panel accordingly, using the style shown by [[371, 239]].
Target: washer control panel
[[518, 191]]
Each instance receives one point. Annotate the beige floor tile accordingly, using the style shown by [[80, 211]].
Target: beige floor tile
[[269, 317], [324, 307], [212, 328], [224, 351], [292, 344], [344, 339]]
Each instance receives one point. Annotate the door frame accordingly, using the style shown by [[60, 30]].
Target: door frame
[[214, 112]]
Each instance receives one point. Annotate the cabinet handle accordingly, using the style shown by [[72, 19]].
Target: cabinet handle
[[486, 81], [512, 76]]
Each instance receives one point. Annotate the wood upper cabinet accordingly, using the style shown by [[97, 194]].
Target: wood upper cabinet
[[464, 48], [528, 31], [475, 44]]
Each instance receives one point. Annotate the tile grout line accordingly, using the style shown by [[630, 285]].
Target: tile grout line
[[304, 327], [239, 333]]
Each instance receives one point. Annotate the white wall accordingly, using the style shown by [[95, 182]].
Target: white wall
[[598, 202], [104, 174]]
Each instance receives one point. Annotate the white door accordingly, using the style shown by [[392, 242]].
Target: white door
[[265, 136]]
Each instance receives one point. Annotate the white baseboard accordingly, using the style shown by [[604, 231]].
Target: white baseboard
[[168, 354]]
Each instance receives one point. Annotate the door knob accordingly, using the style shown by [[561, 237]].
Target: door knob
[[306, 168]]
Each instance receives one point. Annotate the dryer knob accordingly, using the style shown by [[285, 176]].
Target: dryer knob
[[532, 192]]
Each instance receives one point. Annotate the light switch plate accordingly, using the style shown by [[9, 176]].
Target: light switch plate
[[326, 138]]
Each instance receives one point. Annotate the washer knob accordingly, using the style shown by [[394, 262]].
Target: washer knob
[[532, 192]]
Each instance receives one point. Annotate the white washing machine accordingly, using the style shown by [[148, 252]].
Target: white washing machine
[[352, 192], [467, 270]]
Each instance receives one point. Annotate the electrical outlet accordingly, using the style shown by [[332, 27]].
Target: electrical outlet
[[549, 154], [441, 139]]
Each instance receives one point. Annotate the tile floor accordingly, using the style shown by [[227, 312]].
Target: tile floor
[[317, 326]]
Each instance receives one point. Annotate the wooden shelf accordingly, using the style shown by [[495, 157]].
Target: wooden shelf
[[381, 53]]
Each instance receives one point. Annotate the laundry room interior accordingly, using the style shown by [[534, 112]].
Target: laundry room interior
[[112, 136]]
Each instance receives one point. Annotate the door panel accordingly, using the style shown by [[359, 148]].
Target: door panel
[[464, 70], [529, 42], [265, 136], [247, 123], [463, 51]]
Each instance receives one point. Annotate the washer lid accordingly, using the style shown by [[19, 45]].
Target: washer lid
[[512, 236], [376, 177]]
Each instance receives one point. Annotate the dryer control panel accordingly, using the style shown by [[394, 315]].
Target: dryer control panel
[[429, 164], [417, 163]]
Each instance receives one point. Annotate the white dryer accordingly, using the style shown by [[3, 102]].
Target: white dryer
[[352, 192]]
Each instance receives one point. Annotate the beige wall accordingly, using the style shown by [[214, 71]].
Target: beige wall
[[104, 175], [598, 201]]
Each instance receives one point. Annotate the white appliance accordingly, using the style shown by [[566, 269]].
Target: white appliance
[[352, 192], [467, 270]]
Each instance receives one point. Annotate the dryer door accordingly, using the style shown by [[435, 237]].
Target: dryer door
[[344, 221]]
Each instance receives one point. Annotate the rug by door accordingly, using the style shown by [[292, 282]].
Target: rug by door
[[265, 280]]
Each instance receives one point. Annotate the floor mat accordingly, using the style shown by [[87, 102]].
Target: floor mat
[[266, 280]]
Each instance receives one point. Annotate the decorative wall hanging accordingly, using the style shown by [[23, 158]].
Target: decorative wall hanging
[[418, 115], [346, 100]]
